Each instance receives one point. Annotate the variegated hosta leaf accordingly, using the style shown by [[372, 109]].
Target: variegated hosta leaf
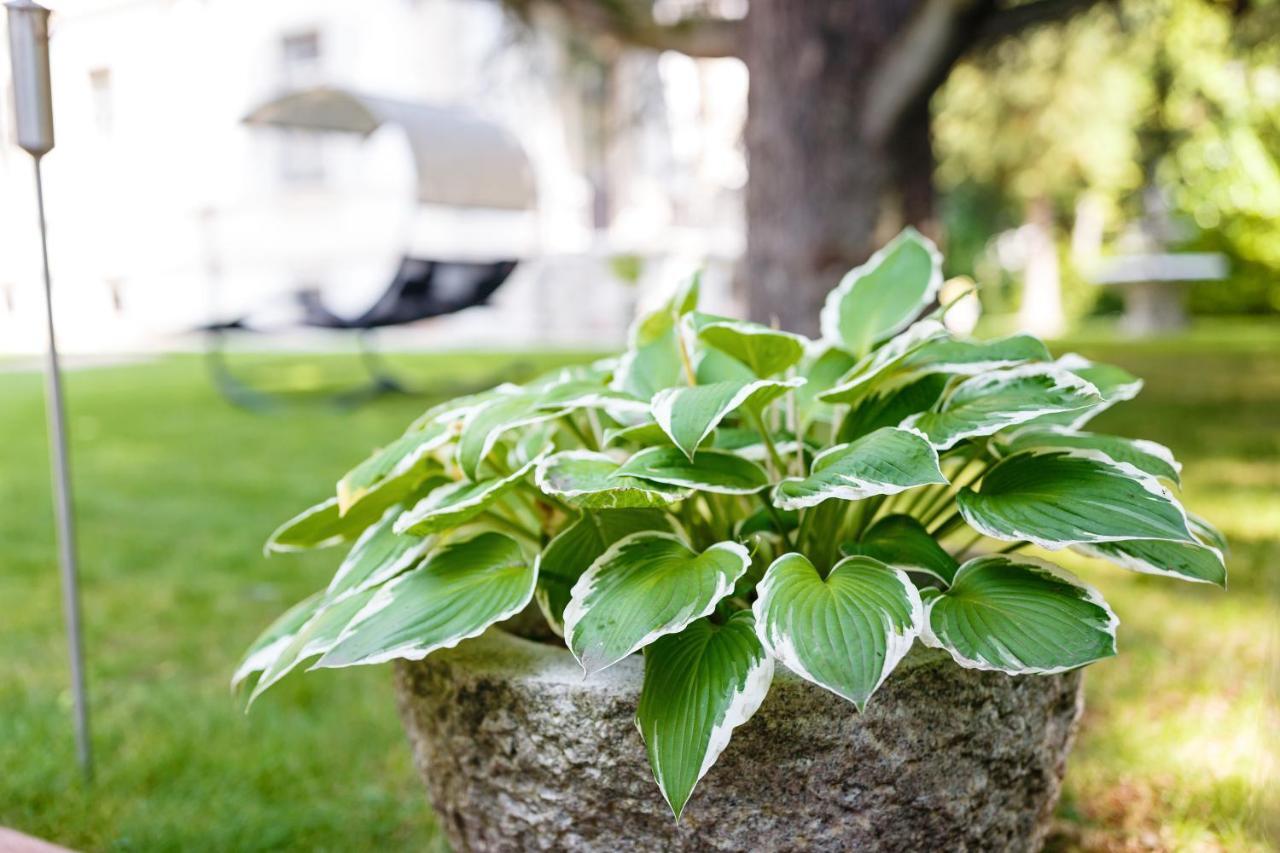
[[885, 462], [1189, 561], [1147, 456], [451, 505], [1207, 533], [579, 545], [822, 368], [890, 407], [645, 586], [485, 425], [457, 409], [699, 685], [587, 394], [589, 480], [1018, 615], [314, 638], [710, 471], [689, 415], [766, 351], [845, 633], [321, 526], [984, 404], [646, 434], [1114, 384], [462, 589], [927, 350], [378, 555], [398, 466], [1057, 498], [652, 360], [880, 298], [267, 647], [902, 541]]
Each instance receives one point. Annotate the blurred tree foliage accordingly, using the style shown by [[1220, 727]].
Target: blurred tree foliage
[[1182, 95]]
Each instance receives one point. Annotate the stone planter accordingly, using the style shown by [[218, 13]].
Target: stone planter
[[519, 752]]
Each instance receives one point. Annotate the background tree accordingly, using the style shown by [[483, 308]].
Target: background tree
[[838, 128]]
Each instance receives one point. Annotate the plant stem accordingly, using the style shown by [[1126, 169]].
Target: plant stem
[[777, 520], [1014, 546], [947, 526], [689, 376], [511, 527], [780, 467], [587, 441]]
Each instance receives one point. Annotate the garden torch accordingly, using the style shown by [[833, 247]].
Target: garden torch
[[33, 106]]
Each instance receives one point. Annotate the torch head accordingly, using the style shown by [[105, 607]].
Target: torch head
[[32, 94]]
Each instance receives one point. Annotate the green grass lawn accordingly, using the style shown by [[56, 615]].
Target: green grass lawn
[[177, 490]]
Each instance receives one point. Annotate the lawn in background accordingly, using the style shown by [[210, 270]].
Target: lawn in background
[[177, 490]]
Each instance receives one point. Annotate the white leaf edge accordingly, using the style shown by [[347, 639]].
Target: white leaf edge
[[684, 482], [829, 316], [664, 402], [896, 644], [855, 489], [586, 584], [541, 477], [928, 638], [414, 515]]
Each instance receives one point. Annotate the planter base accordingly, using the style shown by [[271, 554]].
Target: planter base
[[519, 752]]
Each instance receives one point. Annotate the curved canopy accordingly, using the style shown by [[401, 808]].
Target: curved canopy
[[461, 160]]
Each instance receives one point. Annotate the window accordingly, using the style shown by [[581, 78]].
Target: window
[[103, 102], [301, 59]]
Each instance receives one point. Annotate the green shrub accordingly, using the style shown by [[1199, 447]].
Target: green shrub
[[724, 496]]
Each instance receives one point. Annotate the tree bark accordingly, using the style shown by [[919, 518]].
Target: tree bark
[[838, 139]]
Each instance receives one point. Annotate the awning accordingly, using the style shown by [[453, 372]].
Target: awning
[[462, 160]]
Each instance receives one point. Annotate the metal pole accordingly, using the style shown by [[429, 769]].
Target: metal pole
[[63, 508]]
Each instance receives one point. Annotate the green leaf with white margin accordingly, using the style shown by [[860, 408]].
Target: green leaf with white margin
[[462, 589], [846, 632], [1056, 498], [321, 526], [587, 479], [1115, 384], [822, 367], [960, 357], [874, 371], [485, 425], [884, 462], [580, 544], [890, 407], [267, 647], [378, 555], [989, 402], [401, 465], [880, 298], [316, 637], [902, 541], [1188, 561], [710, 471], [699, 685], [1207, 533], [570, 396], [1018, 615], [647, 585], [1148, 456], [451, 505], [652, 360], [689, 415], [645, 434], [766, 351]]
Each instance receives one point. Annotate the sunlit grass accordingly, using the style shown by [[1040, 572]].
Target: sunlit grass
[[177, 491]]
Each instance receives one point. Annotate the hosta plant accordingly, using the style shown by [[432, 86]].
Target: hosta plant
[[726, 496]]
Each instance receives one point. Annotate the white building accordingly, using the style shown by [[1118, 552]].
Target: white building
[[166, 212]]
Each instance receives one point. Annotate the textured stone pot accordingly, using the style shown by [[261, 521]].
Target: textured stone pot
[[519, 752]]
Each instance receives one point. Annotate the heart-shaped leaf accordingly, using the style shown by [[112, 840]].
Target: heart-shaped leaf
[[989, 402], [645, 586], [588, 479], [1057, 498], [902, 541], [846, 632], [689, 415], [699, 685], [710, 471], [1147, 456], [881, 298], [455, 503], [885, 462], [462, 589], [579, 545], [1018, 615]]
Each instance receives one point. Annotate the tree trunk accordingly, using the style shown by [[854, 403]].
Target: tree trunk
[[824, 191]]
